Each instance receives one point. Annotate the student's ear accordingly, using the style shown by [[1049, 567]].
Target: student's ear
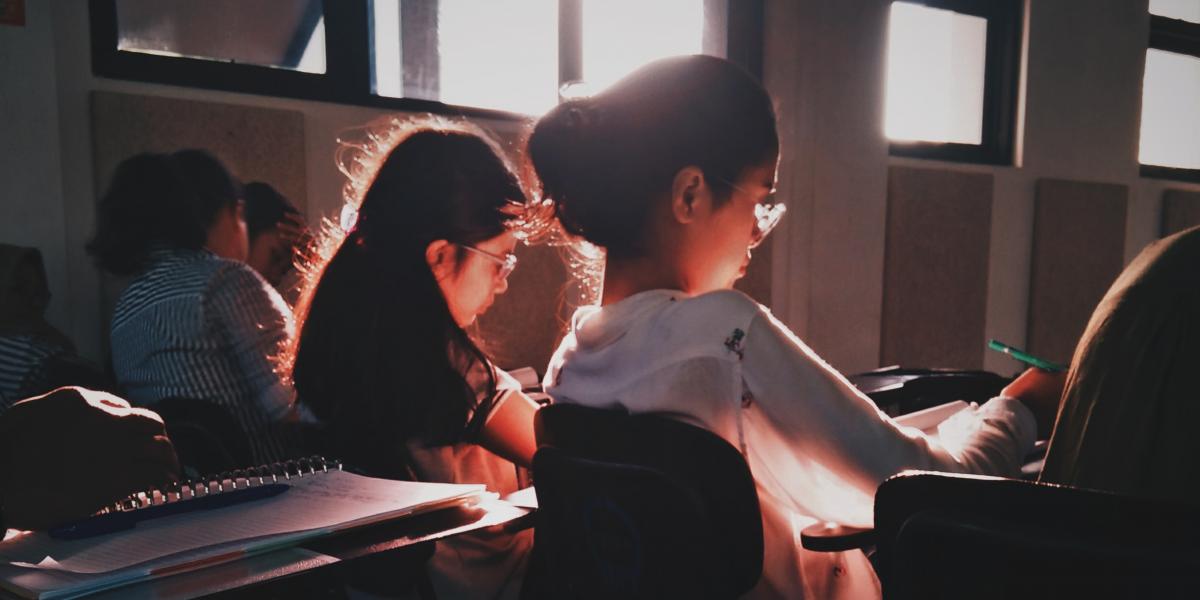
[[687, 190], [439, 255]]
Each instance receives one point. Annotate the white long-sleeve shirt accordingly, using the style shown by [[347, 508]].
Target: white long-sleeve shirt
[[817, 447]]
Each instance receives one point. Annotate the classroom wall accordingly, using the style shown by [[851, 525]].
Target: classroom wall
[[32, 211], [824, 64]]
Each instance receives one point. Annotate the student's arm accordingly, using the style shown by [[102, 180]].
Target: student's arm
[[258, 324], [508, 431], [821, 433]]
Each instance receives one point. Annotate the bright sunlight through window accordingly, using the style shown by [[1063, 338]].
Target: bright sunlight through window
[[621, 35], [935, 75], [499, 54], [1187, 10], [1170, 121]]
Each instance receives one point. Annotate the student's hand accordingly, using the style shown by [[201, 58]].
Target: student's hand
[[66, 454], [292, 229], [1042, 392]]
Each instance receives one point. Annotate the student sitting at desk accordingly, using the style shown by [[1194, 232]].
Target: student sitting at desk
[[384, 358], [671, 170], [195, 323], [1129, 410], [276, 230]]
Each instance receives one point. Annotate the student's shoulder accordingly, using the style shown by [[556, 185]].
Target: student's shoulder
[[227, 275], [721, 305], [723, 313], [232, 281]]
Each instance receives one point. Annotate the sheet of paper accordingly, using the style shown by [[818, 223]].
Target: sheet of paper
[[927, 420], [323, 501]]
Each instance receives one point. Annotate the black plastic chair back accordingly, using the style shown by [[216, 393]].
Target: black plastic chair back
[[641, 506], [948, 536], [899, 391], [207, 438]]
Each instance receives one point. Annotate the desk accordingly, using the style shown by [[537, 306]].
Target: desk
[[309, 569]]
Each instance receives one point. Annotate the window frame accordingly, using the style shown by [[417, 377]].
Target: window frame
[[348, 77], [1001, 82], [1180, 37]]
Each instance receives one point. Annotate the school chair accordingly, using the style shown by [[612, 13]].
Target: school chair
[[207, 438], [640, 506], [962, 536]]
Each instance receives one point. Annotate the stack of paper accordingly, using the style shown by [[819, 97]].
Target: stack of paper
[[38, 566]]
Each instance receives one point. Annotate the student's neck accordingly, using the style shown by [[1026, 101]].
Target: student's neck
[[626, 277]]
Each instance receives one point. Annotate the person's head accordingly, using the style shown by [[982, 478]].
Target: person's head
[[1132, 378], [270, 220], [183, 200], [24, 291], [382, 340], [667, 164], [439, 209]]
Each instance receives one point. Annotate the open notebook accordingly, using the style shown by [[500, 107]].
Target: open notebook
[[36, 565]]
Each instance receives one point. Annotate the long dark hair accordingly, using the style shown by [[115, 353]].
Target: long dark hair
[[159, 199], [604, 159], [380, 359]]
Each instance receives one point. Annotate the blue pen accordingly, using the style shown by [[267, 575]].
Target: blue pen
[[121, 520]]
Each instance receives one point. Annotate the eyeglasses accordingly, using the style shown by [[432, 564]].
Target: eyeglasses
[[507, 262], [767, 214]]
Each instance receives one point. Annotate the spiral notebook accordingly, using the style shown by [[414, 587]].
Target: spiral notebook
[[320, 499]]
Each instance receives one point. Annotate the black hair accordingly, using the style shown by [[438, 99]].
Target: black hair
[[380, 359], [604, 159], [159, 199], [265, 207]]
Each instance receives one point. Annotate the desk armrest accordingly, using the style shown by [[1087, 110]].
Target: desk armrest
[[831, 537]]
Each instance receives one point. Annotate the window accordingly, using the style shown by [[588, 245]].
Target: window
[[287, 34], [1170, 137], [952, 71], [494, 58]]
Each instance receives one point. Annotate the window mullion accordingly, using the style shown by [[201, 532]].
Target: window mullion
[[570, 41], [348, 47]]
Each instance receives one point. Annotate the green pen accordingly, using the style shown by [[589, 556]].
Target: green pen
[[1025, 357]]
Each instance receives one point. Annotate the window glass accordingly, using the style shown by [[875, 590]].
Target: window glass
[[935, 75], [621, 35], [1170, 120], [287, 34], [1187, 10], [499, 54]]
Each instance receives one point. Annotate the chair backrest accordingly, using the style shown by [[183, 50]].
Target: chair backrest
[[207, 438], [954, 536], [899, 391], [641, 506]]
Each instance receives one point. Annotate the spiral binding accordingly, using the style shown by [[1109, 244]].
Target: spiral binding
[[225, 481]]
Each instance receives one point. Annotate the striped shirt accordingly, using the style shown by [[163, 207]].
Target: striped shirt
[[194, 325], [24, 371]]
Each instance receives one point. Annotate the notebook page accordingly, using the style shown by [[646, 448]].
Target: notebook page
[[928, 419], [323, 501]]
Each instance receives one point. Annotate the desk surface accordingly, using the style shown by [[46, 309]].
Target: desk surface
[[255, 576]]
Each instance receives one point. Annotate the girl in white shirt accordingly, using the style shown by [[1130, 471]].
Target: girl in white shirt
[[672, 171]]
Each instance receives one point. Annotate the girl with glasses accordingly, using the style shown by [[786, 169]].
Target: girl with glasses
[[384, 358], [671, 171]]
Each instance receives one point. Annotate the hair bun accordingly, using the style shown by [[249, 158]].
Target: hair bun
[[581, 117]]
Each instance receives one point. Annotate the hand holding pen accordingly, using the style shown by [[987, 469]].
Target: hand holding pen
[[1040, 388]]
